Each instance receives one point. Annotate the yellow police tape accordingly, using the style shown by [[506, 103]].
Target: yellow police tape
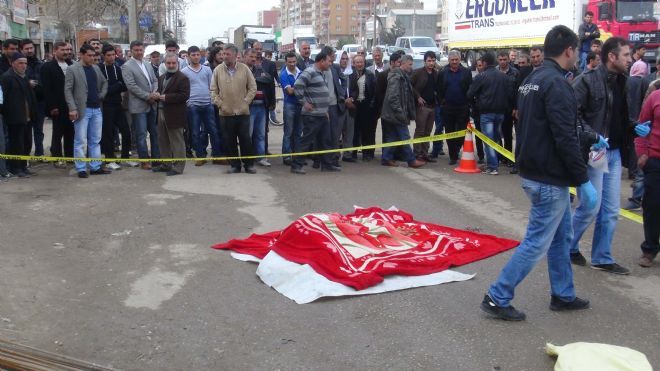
[[457, 134], [506, 153], [432, 138]]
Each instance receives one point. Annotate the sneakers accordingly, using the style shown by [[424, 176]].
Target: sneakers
[[132, 163], [60, 165], [613, 268], [250, 170], [578, 259], [558, 305], [633, 205], [646, 261], [234, 170], [330, 168], [298, 170], [83, 175], [490, 172], [172, 173], [504, 313], [263, 162], [113, 166]]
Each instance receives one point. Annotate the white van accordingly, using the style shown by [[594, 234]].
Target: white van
[[417, 45]]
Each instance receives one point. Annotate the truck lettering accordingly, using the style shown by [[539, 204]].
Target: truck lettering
[[489, 8]]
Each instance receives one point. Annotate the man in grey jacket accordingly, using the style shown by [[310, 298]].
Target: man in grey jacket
[[142, 84], [84, 89]]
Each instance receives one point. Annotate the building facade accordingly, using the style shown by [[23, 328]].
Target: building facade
[[295, 12], [268, 18]]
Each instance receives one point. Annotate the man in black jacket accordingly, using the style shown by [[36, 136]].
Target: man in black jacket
[[9, 47], [34, 77], [113, 113], [453, 83], [492, 90], [550, 162], [602, 108], [52, 79], [19, 110]]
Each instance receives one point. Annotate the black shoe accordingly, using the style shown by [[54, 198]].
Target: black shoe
[[505, 313], [29, 172], [287, 162], [234, 170], [298, 170], [367, 158], [331, 168], [578, 259], [172, 173], [430, 159], [453, 162], [160, 169], [316, 165], [20, 174], [514, 170], [250, 170], [481, 161], [348, 159], [83, 175], [558, 305], [441, 153], [100, 171], [613, 268]]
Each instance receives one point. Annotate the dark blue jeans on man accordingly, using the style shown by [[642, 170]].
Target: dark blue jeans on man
[[439, 128], [316, 130], [144, 123], [292, 127], [202, 125], [491, 124], [38, 129], [394, 133], [549, 233]]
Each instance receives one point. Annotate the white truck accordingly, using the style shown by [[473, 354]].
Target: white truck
[[246, 35], [293, 36], [476, 26]]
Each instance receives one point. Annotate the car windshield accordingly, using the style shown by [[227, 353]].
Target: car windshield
[[422, 43], [636, 10]]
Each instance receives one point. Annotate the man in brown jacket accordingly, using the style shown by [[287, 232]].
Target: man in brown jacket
[[174, 89], [424, 82], [233, 88]]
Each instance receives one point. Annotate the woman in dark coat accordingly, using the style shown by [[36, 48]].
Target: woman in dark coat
[[362, 86]]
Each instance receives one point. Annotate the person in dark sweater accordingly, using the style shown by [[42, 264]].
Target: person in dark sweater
[[113, 113], [9, 47], [34, 78]]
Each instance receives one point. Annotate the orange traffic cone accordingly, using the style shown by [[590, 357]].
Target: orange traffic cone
[[468, 162]]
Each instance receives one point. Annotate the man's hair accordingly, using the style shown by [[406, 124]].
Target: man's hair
[[524, 56], [454, 53], [377, 49], [231, 47], [59, 44], [89, 41], [135, 43], [637, 47], [217, 43], [194, 49], [85, 48], [396, 56], [503, 53], [8, 42], [170, 55], [612, 45], [558, 39], [596, 42], [155, 53], [429, 54], [328, 50], [589, 12], [171, 44], [290, 54], [248, 51], [26, 42], [321, 56], [591, 56], [406, 58], [488, 58], [536, 47], [107, 48]]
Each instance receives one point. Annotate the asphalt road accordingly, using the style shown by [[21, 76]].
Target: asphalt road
[[117, 270]]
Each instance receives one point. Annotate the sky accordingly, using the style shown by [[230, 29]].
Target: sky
[[211, 18]]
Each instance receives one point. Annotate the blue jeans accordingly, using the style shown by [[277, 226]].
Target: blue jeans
[[87, 138], [292, 127], [583, 60], [201, 123], [606, 212], [491, 124], [143, 123], [258, 128], [395, 133], [638, 185], [548, 233], [439, 127]]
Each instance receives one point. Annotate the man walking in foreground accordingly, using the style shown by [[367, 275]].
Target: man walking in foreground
[[550, 161]]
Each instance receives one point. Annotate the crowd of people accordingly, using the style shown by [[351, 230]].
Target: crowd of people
[[184, 101]]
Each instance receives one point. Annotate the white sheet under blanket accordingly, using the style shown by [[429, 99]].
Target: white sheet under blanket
[[301, 283]]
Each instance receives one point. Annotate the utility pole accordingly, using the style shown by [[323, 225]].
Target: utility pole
[[159, 16], [132, 20], [375, 38]]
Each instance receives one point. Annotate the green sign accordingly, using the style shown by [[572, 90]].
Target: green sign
[[18, 30]]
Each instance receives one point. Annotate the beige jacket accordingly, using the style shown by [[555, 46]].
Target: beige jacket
[[233, 94]]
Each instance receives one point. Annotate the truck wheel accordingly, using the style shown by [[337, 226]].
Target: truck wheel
[[471, 59]]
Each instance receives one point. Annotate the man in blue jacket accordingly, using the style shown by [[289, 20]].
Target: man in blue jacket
[[292, 108], [587, 32], [550, 161]]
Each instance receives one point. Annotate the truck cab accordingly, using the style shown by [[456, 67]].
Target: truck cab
[[634, 20]]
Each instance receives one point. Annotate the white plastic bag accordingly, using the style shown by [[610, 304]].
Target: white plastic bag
[[598, 160], [597, 357]]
